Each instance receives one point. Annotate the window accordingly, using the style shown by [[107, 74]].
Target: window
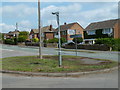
[[63, 32], [107, 31], [91, 32]]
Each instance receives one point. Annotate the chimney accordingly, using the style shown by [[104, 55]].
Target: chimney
[[50, 28], [65, 23]]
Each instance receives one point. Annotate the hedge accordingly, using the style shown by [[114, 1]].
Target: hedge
[[111, 42]]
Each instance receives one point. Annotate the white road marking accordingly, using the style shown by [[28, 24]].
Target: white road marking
[[8, 49]]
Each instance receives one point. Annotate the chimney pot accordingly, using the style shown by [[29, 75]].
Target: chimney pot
[[65, 23], [50, 27]]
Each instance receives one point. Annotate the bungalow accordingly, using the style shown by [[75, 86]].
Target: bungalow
[[11, 34], [47, 32], [69, 29], [103, 29]]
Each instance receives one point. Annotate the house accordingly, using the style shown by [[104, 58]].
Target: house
[[102, 29], [11, 34], [69, 29], [47, 32]]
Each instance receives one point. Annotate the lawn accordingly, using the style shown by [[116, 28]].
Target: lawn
[[50, 64]]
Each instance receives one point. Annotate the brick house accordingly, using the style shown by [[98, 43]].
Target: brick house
[[69, 29], [102, 29], [47, 32], [11, 34]]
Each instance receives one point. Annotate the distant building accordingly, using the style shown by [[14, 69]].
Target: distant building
[[102, 29], [11, 34], [69, 29], [47, 33]]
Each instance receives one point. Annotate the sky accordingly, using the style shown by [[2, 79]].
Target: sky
[[25, 14]]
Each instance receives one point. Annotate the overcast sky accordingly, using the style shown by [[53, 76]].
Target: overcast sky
[[25, 13]]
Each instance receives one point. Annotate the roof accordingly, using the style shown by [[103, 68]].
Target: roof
[[101, 25], [66, 26], [43, 29], [13, 32]]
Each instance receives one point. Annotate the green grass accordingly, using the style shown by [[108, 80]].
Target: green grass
[[50, 64]]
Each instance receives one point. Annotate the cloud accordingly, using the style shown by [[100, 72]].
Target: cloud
[[64, 10], [61, 0], [25, 23], [6, 28], [18, 11], [75, 13]]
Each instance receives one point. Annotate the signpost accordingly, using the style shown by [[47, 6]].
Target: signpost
[[75, 36]]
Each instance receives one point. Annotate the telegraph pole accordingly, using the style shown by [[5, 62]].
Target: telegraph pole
[[39, 28], [16, 26]]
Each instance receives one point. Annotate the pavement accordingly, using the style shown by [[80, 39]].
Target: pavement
[[94, 80]]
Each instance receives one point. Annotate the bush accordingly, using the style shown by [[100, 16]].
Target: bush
[[116, 46], [111, 42], [9, 41], [35, 40], [21, 39], [79, 40], [54, 40], [63, 40]]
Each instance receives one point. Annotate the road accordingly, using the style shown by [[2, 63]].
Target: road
[[102, 80]]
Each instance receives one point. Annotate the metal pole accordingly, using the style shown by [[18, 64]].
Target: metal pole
[[39, 28], [16, 26], [75, 43], [59, 53]]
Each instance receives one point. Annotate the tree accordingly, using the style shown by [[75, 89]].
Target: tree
[[63, 40], [79, 40], [23, 35], [35, 40], [22, 38], [106, 41]]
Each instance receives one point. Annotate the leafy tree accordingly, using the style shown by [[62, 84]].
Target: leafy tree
[[63, 40], [23, 35], [0, 35], [106, 41], [35, 40], [22, 38], [79, 39]]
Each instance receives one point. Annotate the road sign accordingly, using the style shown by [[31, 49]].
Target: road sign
[[77, 35]]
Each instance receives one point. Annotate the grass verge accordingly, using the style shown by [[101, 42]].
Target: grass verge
[[50, 64]]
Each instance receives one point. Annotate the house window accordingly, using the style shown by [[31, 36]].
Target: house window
[[63, 32], [91, 32], [107, 31], [56, 33]]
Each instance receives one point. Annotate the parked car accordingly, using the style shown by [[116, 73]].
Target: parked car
[[63, 45], [68, 43]]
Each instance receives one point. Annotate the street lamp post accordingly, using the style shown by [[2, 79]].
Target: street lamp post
[[59, 52]]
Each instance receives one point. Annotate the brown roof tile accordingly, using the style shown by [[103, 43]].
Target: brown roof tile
[[43, 29], [66, 27], [101, 25]]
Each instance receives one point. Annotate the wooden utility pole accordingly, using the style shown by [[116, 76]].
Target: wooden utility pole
[[16, 26], [39, 28]]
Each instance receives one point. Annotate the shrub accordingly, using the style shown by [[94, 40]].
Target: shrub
[[63, 40], [9, 41], [35, 40], [79, 39], [111, 42], [54, 40], [22, 38]]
